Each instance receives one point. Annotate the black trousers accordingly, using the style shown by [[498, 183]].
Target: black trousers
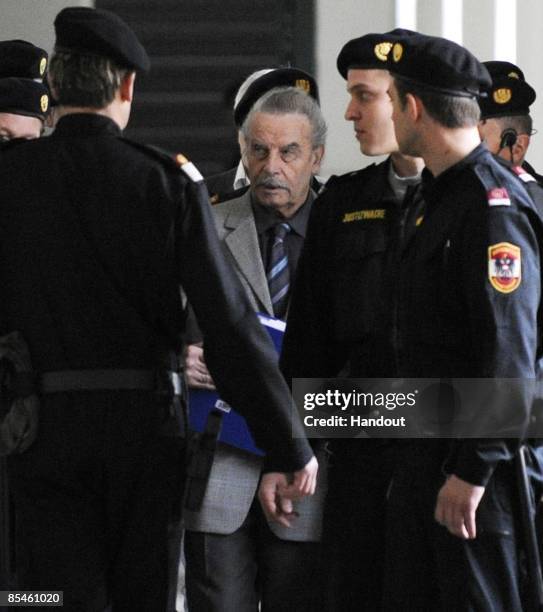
[[429, 569], [93, 500], [353, 546], [231, 573]]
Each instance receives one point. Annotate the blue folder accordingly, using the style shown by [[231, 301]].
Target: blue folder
[[234, 430]]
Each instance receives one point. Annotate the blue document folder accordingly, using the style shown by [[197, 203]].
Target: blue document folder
[[234, 430]]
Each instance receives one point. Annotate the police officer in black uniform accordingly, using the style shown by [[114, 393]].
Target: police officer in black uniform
[[24, 99], [506, 123], [97, 234], [469, 307], [24, 104], [341, 314]]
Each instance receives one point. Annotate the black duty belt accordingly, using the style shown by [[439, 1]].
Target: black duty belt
[[161, 381]]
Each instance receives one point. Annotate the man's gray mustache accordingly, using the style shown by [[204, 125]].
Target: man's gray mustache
[[271, 183]]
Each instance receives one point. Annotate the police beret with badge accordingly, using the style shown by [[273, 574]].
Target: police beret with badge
[[369, 51], [265, 80], [509, 93], [19, 58], [440, 65], [24, 97], [89, 31]]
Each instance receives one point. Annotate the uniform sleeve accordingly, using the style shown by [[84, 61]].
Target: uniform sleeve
[[307, 350], [239, 353], [501, 277]]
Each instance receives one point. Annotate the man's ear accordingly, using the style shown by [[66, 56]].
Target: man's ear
[[520, 148], [318, 154], [414, 107], [126, 88]]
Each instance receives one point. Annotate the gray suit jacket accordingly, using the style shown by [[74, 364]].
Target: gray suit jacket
[[235, 474]]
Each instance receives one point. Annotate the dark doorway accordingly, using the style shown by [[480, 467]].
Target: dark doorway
[[201, 51]]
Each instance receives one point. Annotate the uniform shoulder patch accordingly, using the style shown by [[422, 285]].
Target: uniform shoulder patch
[[523, 175], [498, 196], [504, 266], [493, 179], [176, 161], [188, 168]]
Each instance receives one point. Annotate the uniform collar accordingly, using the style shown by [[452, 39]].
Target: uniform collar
[[432, 184], [479, 151], [86, 124], [378, 184]]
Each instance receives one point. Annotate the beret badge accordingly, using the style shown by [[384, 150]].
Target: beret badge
[[382, 50], [502, 95], [44, 103], [397, 52], [303, 84]]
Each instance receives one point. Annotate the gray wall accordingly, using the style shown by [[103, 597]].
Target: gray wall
[[32, 20]]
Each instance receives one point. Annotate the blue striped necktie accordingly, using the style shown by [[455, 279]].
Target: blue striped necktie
[[278, 272]]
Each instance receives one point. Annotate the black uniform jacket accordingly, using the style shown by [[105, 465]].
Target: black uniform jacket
[[97, 235], [342, 311], [470, 294], [341, 319]]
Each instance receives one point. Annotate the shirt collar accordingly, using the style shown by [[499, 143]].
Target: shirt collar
[[241, 179], [399, 184], [266, 218]]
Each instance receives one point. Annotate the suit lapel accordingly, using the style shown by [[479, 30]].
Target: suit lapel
[[242, 241]]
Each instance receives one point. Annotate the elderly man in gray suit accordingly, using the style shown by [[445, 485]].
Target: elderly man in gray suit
[[235, 556]]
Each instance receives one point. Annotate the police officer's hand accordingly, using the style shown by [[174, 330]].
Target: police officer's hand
[[303, 482], [457, 503], [196, 372], [277, 491]]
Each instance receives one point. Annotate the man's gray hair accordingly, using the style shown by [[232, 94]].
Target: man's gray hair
[[290, 100]]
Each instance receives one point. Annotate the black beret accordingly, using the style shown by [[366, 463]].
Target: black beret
[[23, 97], [275, 77], [19, 58], [509, 94], [438, 64], [369, 51], [99, 32]]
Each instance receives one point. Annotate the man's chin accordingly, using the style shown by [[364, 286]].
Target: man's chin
[[272, 196], [273, 202], [371, 150]]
